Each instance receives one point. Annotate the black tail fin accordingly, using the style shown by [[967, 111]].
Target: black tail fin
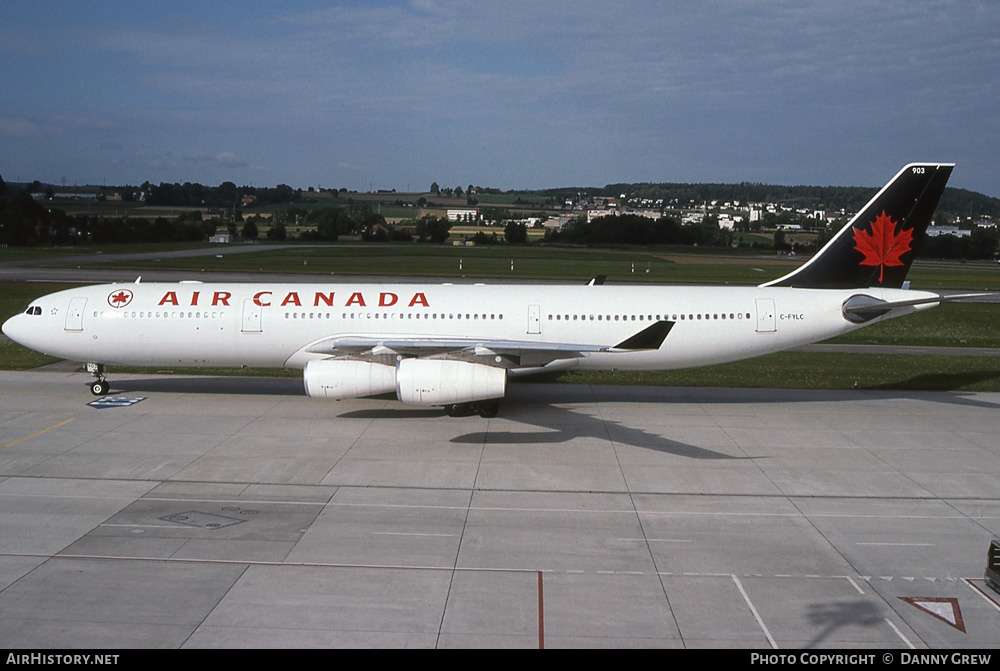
[[876, 248]]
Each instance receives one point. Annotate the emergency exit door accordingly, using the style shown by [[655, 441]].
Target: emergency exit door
[[534, 319], [766, 322]]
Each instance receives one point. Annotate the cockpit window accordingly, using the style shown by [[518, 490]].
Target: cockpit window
[[33, 310]]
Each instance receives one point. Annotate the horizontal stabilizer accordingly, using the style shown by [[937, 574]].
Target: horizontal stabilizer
[[861, 308]]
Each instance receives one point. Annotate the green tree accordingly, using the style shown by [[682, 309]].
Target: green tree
[[226, 193], [515, 232], [277, 232], [249, 231], [328, 223], [433, 229], [779, 241]]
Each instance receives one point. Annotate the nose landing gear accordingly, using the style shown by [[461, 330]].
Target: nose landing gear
[[100, 386]]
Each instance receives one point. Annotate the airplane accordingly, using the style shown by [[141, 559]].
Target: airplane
[[457, 345]]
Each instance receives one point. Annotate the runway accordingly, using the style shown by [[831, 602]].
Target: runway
[[227, 512]]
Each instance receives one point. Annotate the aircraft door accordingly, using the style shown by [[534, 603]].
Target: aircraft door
[[251, 316], [766, 322], [534, 319], [74, 316]]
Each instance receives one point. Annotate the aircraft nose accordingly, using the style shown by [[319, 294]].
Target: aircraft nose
[[13, 328]]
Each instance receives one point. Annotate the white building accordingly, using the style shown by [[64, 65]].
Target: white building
[[468, 214], [934, 231]]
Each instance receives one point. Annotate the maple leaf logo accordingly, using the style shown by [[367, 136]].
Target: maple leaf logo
[[883, 246], [120, 299]]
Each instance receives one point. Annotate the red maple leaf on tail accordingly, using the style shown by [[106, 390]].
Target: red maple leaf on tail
[[883, 246]]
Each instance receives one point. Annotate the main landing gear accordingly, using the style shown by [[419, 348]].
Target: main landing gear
[[100, 386], [488, 408]]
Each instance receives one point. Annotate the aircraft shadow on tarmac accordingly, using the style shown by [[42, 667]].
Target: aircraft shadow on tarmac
[[834, 616], [950, 381], [195, 384], [561, 424], [554, 393], [539, 407], [542, 406]]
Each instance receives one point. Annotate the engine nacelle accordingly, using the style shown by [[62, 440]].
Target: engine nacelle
[[442, 381], [344, 378]]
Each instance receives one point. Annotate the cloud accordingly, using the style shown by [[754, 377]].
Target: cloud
[[518, 94], [223, 159], [19, 128], [54, 125]]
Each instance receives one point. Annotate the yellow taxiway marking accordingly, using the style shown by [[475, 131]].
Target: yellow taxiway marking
[[37, 433]]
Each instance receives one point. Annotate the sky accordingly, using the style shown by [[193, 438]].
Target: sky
[[504, 94]]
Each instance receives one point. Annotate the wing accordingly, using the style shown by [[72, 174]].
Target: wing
[[512, 354]]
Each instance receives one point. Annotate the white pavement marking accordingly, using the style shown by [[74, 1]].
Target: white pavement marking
[[981, 593], [900, 634], [746, 598]]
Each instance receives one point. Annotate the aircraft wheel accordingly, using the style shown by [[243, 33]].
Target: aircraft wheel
[[99, 387], [489, 408], [457, 409]]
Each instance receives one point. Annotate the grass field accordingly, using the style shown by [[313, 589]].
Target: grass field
[[28, 254], [663, 265]]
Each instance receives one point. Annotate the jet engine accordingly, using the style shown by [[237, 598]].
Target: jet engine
[[345, 378], [446, 382]]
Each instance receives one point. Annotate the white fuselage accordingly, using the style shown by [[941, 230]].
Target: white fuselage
[[273, 324]]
